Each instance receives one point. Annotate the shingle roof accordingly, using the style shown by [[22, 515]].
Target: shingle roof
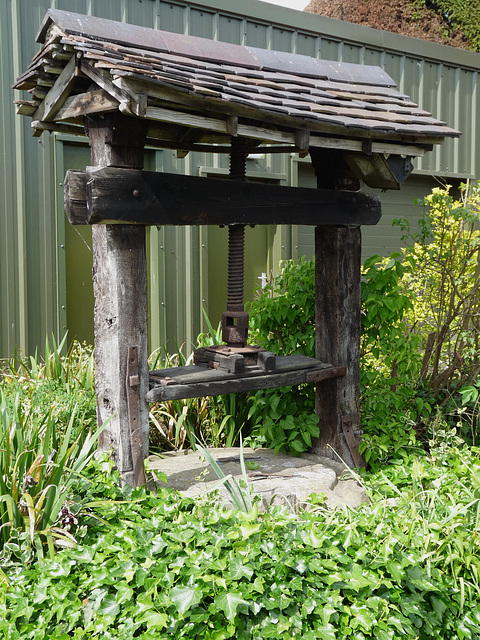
[[273, 91]]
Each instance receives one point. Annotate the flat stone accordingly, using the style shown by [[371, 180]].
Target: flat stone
[[277, 478]]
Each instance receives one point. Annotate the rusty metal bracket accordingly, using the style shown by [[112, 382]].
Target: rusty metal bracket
[[352, 443], [133, 406]]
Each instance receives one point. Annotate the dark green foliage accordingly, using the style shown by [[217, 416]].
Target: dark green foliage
[[405, 566], [390, 364], [282, 319], [457, 15]]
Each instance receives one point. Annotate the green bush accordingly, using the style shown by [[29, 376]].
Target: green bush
[[282, 316], [404, 566], [390, 364], [282, 320], [442, 277]]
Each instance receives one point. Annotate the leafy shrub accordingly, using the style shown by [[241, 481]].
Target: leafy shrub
[[390, 364], [442, 275], [282, 316], [405, 566], [282, 320]]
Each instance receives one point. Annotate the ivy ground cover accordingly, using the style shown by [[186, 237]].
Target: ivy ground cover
[[404, 566]]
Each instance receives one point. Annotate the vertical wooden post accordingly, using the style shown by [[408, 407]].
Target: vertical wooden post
[[120, 289], [337, 317]]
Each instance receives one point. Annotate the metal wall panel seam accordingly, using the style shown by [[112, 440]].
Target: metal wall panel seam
[[476, 110], [457, 119], [22, 256], [8, 247], [61, 319]]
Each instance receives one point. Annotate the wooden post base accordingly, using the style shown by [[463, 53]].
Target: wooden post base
[[337, 318]]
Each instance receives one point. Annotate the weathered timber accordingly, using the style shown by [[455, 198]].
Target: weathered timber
[[134, 416], [194, 381], [128, 104], [337, 316], [75, 194], [141, 197], [198, 373], [220, 356], [352, 443], [56, 126], [120, 289], [337, 321], [25, 107], [97, 101], [58, 93]]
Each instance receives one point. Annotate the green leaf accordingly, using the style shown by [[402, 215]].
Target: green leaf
[[238, 570], [185, 597], [326, 633], [154, 619], [229, 603]]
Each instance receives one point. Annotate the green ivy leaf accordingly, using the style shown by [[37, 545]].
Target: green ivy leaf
[[185, 597], [229, 603]]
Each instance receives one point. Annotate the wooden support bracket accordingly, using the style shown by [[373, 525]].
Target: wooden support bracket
[[133, 404], [351, 441]]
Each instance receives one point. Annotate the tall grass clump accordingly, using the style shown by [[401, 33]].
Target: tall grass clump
[[48, 434], [53, 383], [38, 470]]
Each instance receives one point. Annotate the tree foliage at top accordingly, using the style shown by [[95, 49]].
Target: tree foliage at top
[[458, 15]]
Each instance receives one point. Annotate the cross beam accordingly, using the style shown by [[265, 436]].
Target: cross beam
[[124, 195]]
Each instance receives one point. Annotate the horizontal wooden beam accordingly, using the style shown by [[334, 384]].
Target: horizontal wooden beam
[[194, 381], [125, 196], [286, 125]]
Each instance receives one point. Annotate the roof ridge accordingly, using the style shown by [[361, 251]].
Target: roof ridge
[[196, 47]]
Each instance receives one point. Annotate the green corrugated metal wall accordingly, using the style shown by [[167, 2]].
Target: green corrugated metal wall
[[184, 262]]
